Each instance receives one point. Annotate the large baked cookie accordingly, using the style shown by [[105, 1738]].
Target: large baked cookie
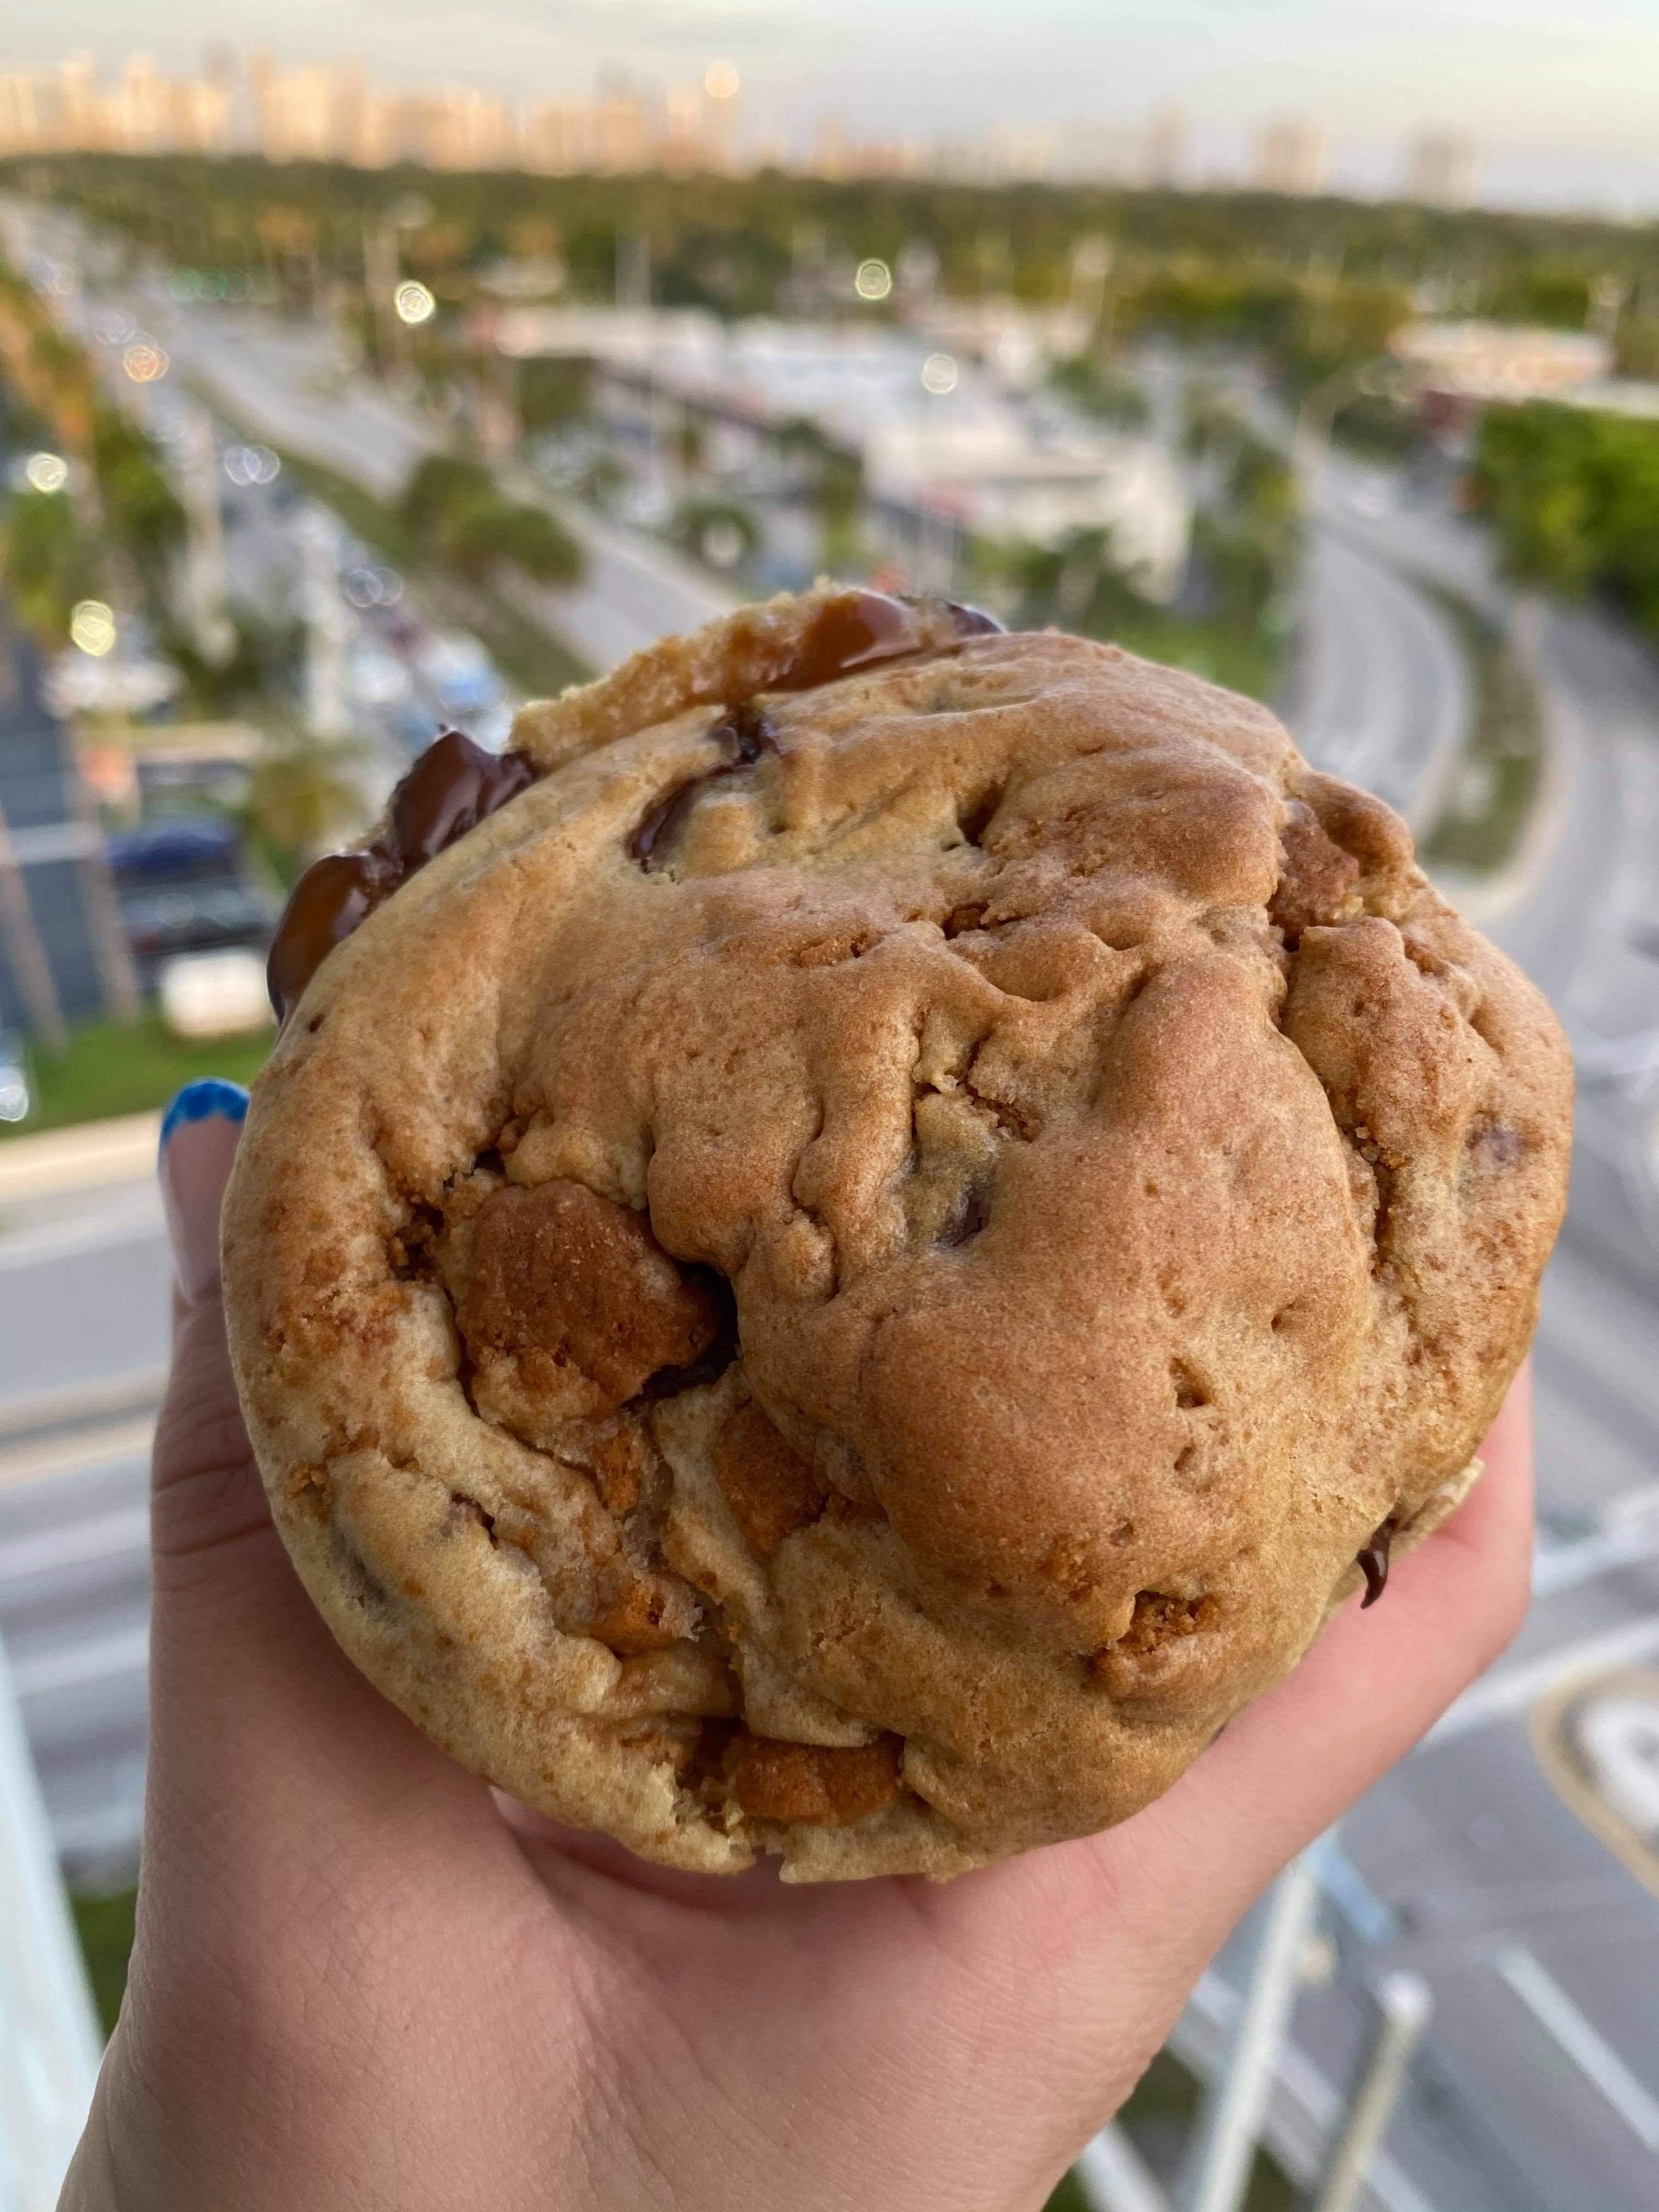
[[864, 1260]]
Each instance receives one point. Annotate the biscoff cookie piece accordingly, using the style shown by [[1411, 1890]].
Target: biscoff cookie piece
[[875, 1226]]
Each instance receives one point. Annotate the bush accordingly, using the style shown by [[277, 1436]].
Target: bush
[[1574, 497], [535, 541], [721, 531], [1102, 391], [50, 562], [438, 486], [454, 506]]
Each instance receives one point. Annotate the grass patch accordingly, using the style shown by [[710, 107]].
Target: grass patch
[[105, 1927], [1158, 2120], [111, 1069], [1497, 780], [1250, 661]]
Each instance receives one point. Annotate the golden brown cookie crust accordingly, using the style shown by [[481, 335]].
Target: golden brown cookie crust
[[867, 1319]]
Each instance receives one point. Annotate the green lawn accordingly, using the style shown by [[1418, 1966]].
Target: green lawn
[[105, 1927], [109, 1069], [1500, 773], [1249, 661]]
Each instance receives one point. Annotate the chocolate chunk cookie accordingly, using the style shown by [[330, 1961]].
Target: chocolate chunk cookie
[[850, 1250]]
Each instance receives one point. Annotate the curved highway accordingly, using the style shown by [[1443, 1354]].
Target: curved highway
[[1383, 696]]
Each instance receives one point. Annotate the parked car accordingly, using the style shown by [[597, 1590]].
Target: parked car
[[182, 888]]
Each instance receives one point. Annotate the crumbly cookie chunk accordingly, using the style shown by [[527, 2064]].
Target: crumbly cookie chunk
[[855, 1270]]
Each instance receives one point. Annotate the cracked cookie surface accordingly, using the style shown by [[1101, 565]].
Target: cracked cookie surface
[[856, 1269]]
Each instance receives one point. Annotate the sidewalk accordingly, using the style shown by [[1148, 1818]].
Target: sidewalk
[[84, 1157]]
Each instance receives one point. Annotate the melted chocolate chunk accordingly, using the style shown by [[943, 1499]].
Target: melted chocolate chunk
[[1373, 1561], [326, 904], [658, 824], [453, 786], [853, 630], [743, 734]]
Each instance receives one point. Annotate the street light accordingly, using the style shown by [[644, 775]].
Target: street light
[[144, 362], [874, 280], [92, 628], [46, 473], [413, 302]]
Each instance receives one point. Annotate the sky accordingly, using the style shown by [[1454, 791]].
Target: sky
[[1564, 99]]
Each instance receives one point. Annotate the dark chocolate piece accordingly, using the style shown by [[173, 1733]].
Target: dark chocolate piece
[[1373, 1560], [453, 786], [325, 905]]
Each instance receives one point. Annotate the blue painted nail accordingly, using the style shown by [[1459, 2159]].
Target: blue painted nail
[[202, 1102]]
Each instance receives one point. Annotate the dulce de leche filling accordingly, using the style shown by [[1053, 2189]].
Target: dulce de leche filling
[[455, 784]]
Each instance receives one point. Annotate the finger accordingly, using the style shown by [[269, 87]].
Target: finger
[[258, 1721]]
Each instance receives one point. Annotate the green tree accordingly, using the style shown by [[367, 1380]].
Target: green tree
[[303, 795], [49, 562]]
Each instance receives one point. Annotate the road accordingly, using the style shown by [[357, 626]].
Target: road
[[1466, 1843], [1383, 696], [286, 387], [83, 1284]]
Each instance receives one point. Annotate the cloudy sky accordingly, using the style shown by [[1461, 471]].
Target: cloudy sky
[[1564, 98]]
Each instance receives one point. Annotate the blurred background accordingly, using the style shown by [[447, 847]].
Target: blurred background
[[347, 395]]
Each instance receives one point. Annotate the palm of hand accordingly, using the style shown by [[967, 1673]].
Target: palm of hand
[[362, 1980]]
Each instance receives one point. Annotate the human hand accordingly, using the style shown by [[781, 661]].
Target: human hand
[[362, 1980]]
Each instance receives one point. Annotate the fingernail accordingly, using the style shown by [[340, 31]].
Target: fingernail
[[210, 1099], [199, 1132]]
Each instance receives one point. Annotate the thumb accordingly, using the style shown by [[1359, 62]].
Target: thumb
[[206, 1488], [251, 1701]]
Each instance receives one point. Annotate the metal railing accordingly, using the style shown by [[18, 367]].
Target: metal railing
[[50, 2042]]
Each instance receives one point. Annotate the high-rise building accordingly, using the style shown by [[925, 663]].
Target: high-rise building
[[23, 112], [140, 109], [1292, 156], [313, 114], [622, 138], [1164, 158], [1015, 156], [1440, 169], [722, 116]]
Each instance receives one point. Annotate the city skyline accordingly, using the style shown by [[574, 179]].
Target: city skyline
[[337, 112], [1558, 109]]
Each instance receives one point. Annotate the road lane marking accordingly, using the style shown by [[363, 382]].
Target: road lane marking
[[124, 1535], [138, 1221], [72, 1404], [77, 1454], [1559, 1764], [1502, 1696], [76, 1666], [1594, 2057]]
